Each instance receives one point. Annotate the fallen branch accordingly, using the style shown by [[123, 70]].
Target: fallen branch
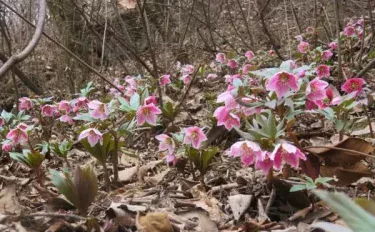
[[63, 215], [13, 60], [366, 69]]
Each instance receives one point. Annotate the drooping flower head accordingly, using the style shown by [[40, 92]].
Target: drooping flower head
[[48, 110], [67, 119], [17, 136], [329, 99], [350, 31], [232, 64], [323, 71], [64, 106], [194, 136], [165, 80], [228, 99], [80, 103], [225, 117], [188, 69], [186, 79], [316, 89], [7, 147], [166, 143], [150, 99], [247, 150], [25, 103], [171, 158], [220, 57], [333, 45], [246, 68], [303, 47], [250, 55], [286, 153], [147, 113], [281, 83], [327, 54], [352, 85], [211, 76], [99, 110], [93, 136], [263, 162]]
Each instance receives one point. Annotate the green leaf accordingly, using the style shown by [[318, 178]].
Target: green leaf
[[323, 180], [296, 188], [135, 101], [31, 159], [354, 216], [268, 72], [168, 110], [100, 151], [20, 158], [207, 156], [6, 116], [85, 117]]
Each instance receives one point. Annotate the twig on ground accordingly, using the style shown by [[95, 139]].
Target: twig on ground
[[270, 201], [223, 187], [64, 215]]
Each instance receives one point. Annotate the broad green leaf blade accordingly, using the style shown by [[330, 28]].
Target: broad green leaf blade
[[353, 215], [207, 156], [86, 185], [296, 188], [65, 186], [20, 158]]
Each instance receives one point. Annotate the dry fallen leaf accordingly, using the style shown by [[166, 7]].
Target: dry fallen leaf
[[154, 222], [8, 201], [145, 168], [300, 213], [127, 174], [204, 220], [239, 204], [155, 180], [127, 4]]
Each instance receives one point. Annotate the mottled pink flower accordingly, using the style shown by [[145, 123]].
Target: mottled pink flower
[[323, 71], [220, 57], [150, 99], [17, 136], [148, 113], [248, 111], [329, 99], [310, 105], [80, 103], [230, 78], [211, 76], [316, 89], [66, 118], [194, 136], [246, 68], [263, 162], [99, 110], [303, 47], [228, 99], [286, 153], [271, 52], [25, 103], [232, 64], [64, 105], [333, 45], [93, 136], [349, 31], [131, 81], [166, 143], [281, 83], [247, 150], [327, 54], [22, 126], [299, 38], [225, 117], [171, 158], [353, 85], [7, 147], [188, 69], [186, 79], [250, 55], [48, 110], [1, 121], [301, 74], [165, 80]]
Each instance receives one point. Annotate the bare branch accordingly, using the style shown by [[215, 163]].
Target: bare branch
[[32, 44], [337, 16]]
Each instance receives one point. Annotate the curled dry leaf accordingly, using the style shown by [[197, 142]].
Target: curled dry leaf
[[145, 168], [155, 180], [154, 222], [127, 174], [8, 201], [346, 175], [239, 204]]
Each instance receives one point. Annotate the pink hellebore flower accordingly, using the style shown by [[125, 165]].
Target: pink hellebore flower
[[323, 71], [188, 69], [248, 111], [17, 136], [48, 110], [66, 118], [220, 57], [211, 76], [171, 158], [271, 52], [316, 89], [166, 143], [333, 45], [327, 54], [150, 99], [281, 83], [227, 118], [328, 100], [246, 68], [228, 99], [25, 103], [186, 79], [147, 113], [1, 121], [64, 105], [194, 136], [164, 80], [232, 64], [93, 136], [286, 153], [7, 147], [303, 47], [352, 85], [99, 110], [301, 74], [250, 55], [80, 103], [349, 31], [247, 150], [263, 162]]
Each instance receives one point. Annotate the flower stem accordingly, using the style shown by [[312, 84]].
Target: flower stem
[[106, 178]]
